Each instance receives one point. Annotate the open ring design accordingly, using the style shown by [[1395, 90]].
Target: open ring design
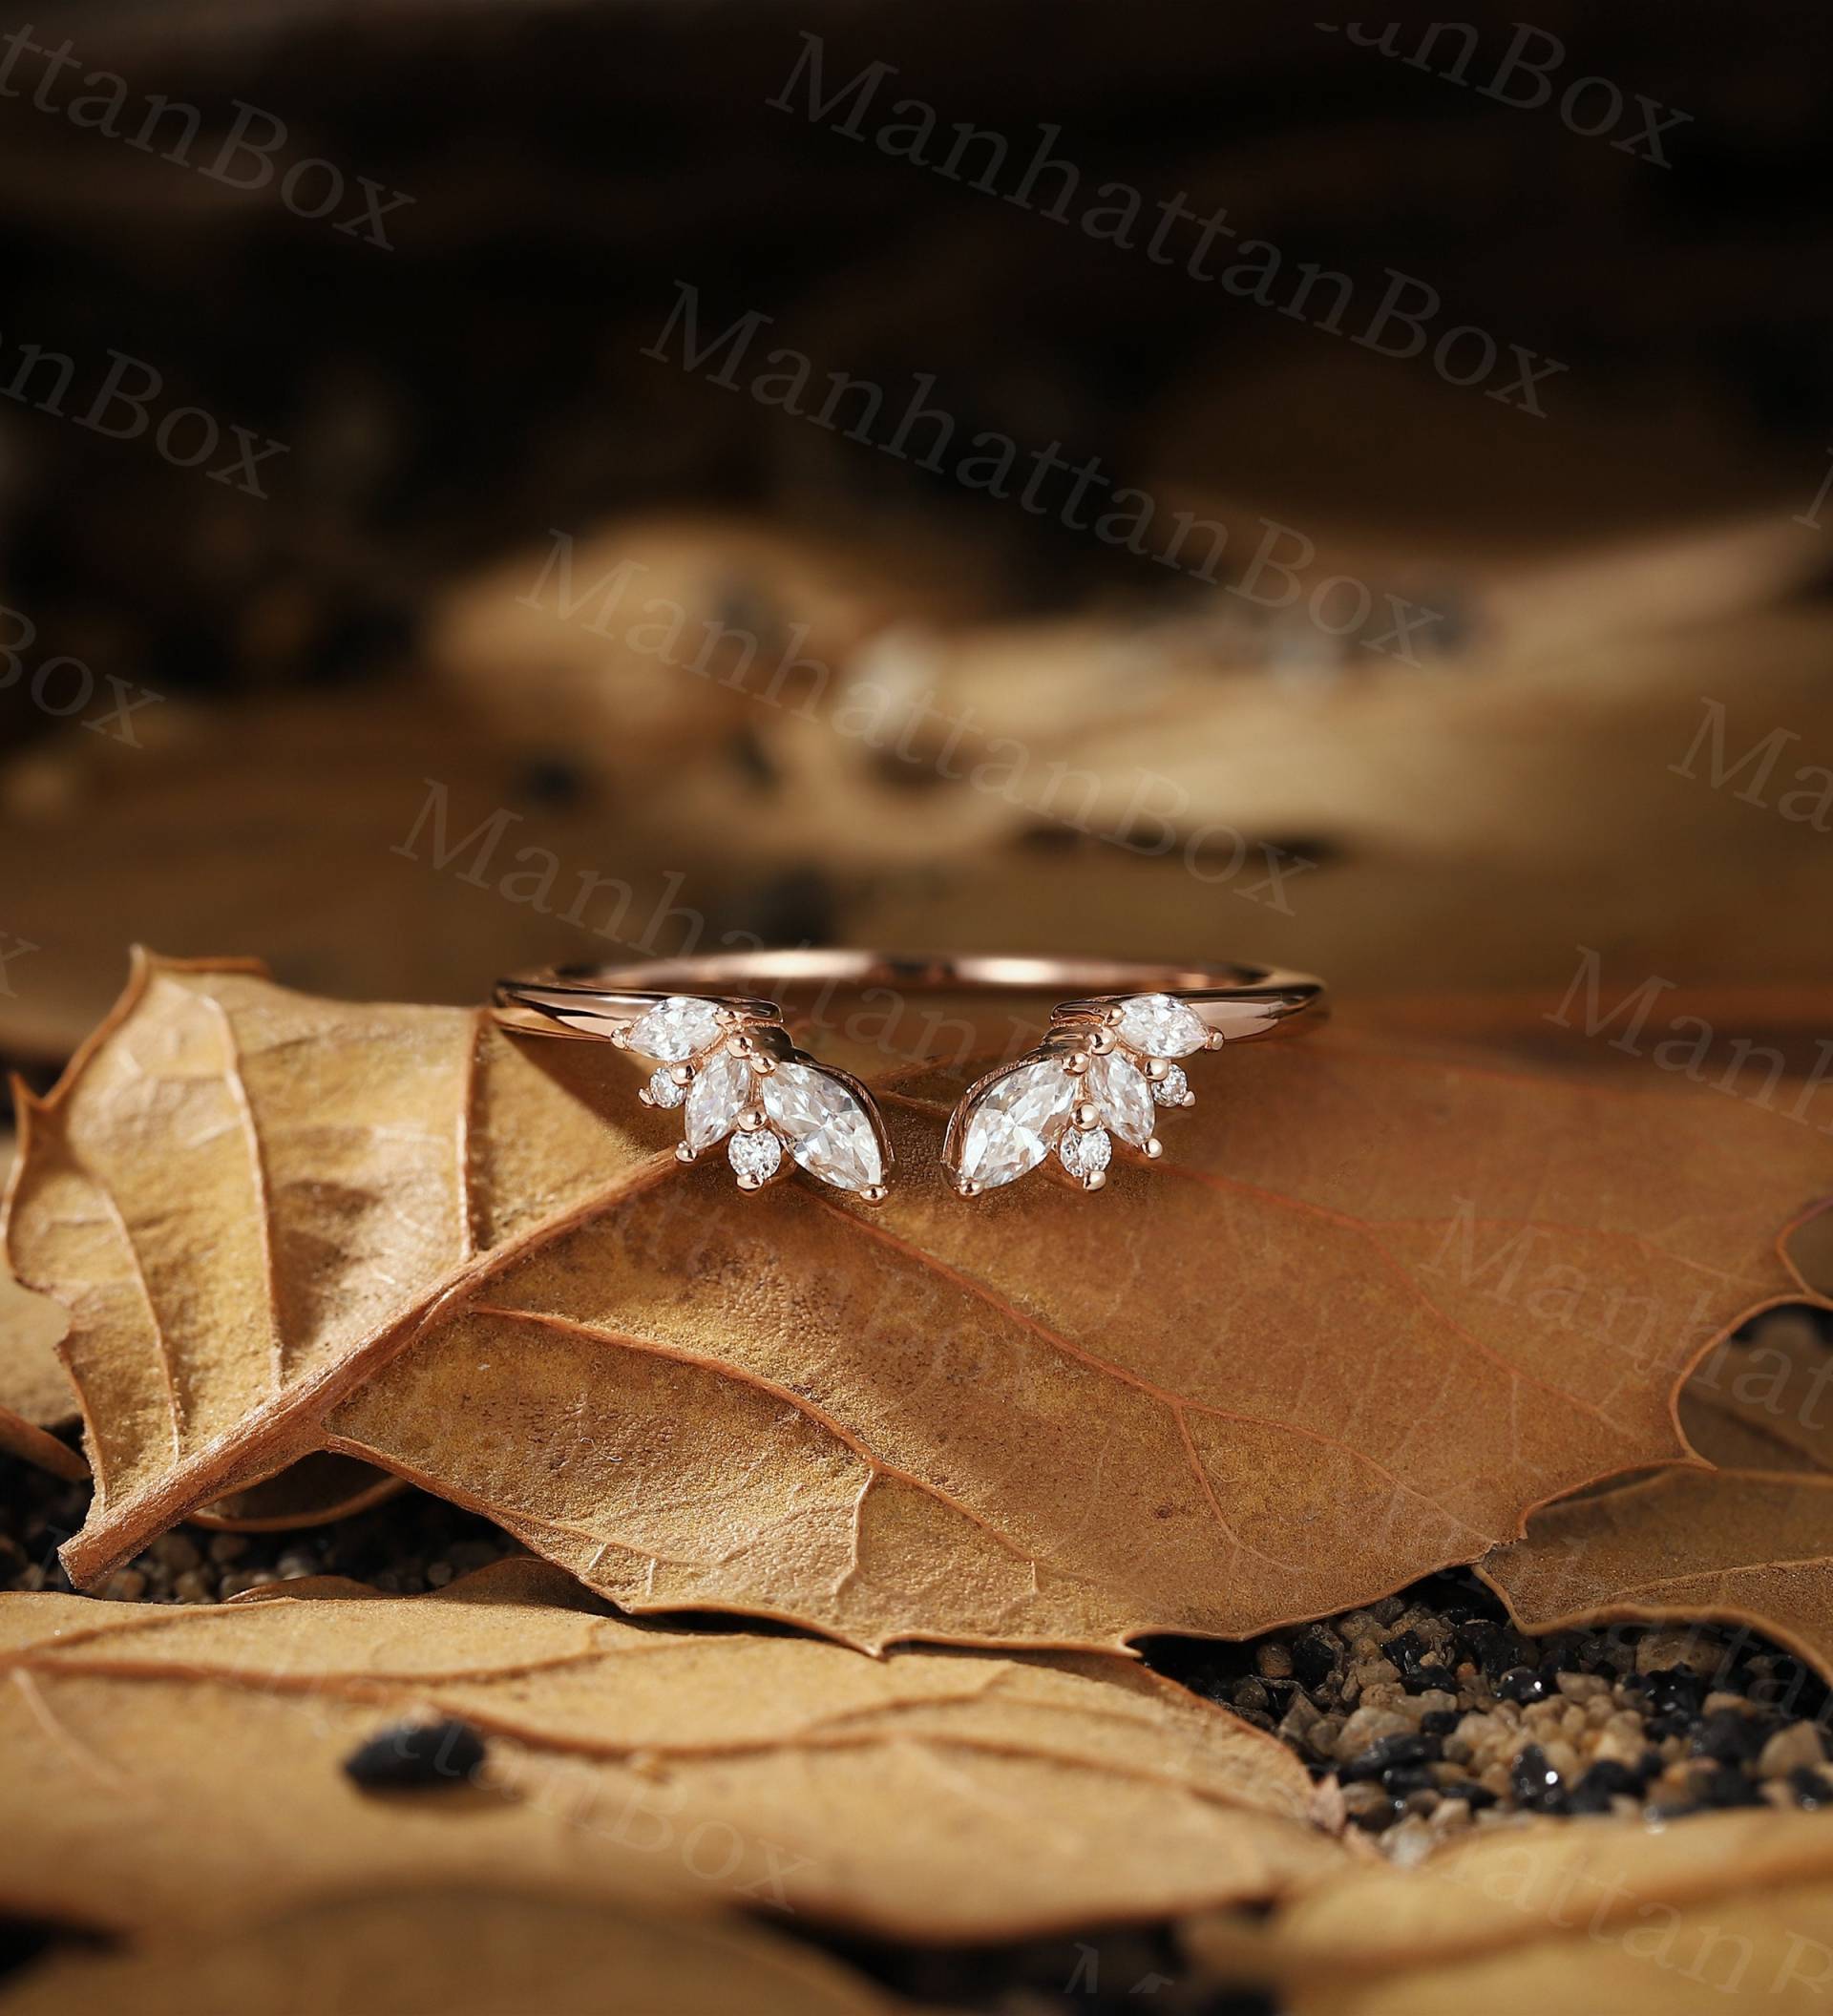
[[1110, 1059]]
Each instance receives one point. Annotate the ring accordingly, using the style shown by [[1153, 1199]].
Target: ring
[[1110, 1059]]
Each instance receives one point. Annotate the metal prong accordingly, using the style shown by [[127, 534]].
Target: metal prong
[[965, 1186], [1086, 1115], [1103, 1041], [1216, 1039], [682, 1074], [1095, 1181], [1153, 1149], [874, 1193], [682, 1152], [751, 1120]]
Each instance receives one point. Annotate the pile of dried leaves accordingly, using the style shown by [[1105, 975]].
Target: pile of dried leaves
[[1405, 1299]]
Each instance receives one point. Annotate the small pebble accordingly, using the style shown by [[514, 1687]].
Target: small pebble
[[416, 1754], [1796, 1748]]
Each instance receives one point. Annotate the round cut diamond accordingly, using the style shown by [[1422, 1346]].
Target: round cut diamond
[[1084, 1152], [664, 1090], [756, 1155], [1014, 1122], [674, 1030], [720, 1094], [828, 1131], [1119, 1088], [1160, 1025], [1174, 1089]]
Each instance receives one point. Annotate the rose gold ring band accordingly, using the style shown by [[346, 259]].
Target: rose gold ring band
[[1235, 1001], [1092, 1087]]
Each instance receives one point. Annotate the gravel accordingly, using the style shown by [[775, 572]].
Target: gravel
[[1434, 1716]]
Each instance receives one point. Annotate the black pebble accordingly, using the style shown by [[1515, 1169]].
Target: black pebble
[[1399, 1779], [1728, 1737], [1723, 1787], [1492, 1646], [417, 1753], [1440, 1721], [1603, 1782], [1673, 1690], [1521, 1682], [1473, 1794], [1406, 1648], [1386, 1752], [1810, 1788], [1537, 1785], [1315, 1654]]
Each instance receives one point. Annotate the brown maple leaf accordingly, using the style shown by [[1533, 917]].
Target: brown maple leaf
[[182, 1765], [1371, 1310]]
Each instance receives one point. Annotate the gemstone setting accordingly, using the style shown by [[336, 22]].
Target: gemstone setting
[[664, 1090], [717, 1096], [755, 1156], [1173, 1089], [675, 1030], [1086, 1152], [1014, 1122], [826, 1124], [1120, 1089], [1160, 1025]]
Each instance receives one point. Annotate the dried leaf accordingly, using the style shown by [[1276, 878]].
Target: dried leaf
[[433, 1952], [35, 1394], [1556, 1915], [1761, 1402], [1733, 1546], [167, 1763], [1371, 1309], [312, 1492]]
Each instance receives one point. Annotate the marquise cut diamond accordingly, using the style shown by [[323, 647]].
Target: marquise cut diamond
[[1014, 1122], [1160, 1025], [828, 1130], [1120, 1089], [718, 1096], [675, 1030]]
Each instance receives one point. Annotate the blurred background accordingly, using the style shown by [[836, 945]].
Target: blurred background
[[483, 484]]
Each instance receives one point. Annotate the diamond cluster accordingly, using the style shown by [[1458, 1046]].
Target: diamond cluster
[[1076, 1099], [764, 1106]]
